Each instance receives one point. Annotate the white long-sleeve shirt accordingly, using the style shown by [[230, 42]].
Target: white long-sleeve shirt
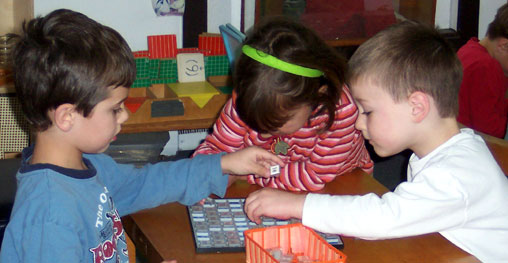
[[457, 190]]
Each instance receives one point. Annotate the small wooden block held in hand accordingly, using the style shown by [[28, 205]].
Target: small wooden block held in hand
[[275, 170]]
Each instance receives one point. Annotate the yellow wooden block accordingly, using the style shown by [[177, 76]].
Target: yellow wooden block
[[200, 92]]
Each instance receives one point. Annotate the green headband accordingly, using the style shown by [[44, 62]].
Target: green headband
[[274, 62]]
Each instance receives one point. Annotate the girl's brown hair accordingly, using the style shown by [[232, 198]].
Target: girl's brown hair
[[266, 95]]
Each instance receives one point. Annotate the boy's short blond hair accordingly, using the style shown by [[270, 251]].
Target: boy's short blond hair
[[408, 57]]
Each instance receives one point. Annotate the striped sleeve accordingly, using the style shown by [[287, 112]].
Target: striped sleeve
[[228, 133]]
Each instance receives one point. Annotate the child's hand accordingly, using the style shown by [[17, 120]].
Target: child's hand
[[251, 160], [274, 203]]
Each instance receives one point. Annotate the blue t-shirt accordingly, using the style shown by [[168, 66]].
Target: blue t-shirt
[[66, 215]]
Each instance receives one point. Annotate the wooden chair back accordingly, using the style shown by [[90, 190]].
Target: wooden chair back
[[499, 149]]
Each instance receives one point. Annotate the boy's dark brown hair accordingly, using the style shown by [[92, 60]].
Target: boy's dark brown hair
[[66, 57], [265, 95], [409, 57], [499, 26]]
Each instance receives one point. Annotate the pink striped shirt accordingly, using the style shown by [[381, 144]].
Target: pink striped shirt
[[313, 158]]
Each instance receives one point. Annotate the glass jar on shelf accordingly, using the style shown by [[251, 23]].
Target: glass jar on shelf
[[5, 49]]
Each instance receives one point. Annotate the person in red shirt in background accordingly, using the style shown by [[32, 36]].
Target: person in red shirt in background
[[483, 102], [289, 97]]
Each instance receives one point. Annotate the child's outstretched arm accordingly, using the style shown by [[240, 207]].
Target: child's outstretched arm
[[251, 160], [274, 203]]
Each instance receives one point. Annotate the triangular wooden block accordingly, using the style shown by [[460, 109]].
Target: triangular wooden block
[[199, 92], [133, 103]]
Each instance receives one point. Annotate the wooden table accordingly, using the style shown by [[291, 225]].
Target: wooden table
[[164, 232]]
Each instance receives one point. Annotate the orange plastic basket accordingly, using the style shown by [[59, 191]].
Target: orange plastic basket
[[295, 239]]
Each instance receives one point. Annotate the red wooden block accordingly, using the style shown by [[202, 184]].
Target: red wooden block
[[140, 54], [133, 103], [192, 50], [214, 44], [162, 46]]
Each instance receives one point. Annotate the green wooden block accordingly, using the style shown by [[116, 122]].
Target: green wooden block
[[226, 89], [216, 66], [163, 80], [153, 73], [153, 68], [142, 67], [141, 82], [154, 63], [168, 68]]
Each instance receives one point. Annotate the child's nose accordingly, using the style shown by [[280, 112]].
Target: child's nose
[[123, 117], [360, 122]]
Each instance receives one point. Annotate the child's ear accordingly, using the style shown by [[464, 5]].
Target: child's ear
[[63, 116], [420, 105], [502, 44]]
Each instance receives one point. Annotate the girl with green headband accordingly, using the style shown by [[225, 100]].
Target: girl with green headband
[[289, 97]]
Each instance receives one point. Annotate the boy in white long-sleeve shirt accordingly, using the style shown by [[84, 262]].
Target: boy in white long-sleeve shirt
[[405, 81]]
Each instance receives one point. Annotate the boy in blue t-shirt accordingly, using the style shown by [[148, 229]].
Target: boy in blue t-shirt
[[72, 76]]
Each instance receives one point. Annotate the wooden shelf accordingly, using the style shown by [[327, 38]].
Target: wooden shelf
[[346, 42], [193, 118]]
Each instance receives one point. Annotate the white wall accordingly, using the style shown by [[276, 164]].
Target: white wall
[[220, 12], [249, 14], [446, 14], [488, 9], [133, 19], [6, 16]]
